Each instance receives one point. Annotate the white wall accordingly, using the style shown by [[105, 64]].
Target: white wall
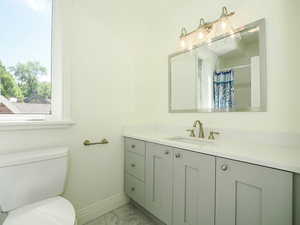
[[101, 91], [283, 78]]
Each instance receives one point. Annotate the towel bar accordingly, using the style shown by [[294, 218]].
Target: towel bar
[[103, 142]]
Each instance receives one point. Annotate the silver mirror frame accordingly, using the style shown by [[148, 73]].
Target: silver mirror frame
[[263, 68]]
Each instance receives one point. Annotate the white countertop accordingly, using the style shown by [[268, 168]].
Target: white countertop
[[274, 156]]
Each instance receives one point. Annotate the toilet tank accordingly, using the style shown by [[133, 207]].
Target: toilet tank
[[31, 176]]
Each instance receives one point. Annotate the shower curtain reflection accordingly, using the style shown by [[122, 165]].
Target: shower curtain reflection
[[224, 90]]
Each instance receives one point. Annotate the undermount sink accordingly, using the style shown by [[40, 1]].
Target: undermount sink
[[190, 140]]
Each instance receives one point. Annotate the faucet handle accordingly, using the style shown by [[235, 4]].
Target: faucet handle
[[212, 135], [192, 132]]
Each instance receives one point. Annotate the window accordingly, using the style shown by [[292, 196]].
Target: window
[[26, 59]]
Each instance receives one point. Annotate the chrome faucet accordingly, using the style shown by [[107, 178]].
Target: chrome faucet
[[201, 130]]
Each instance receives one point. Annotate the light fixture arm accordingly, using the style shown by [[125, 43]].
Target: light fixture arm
[[183, 32], [202, 23], [224, 12]]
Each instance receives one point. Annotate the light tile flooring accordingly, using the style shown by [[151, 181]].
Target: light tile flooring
[[125, 215]]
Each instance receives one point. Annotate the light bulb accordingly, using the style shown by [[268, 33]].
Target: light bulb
[[200, 35], [182, 43], [223, 25]]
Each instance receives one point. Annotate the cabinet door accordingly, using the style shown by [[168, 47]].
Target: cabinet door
[[252, 195], [194, 188], [159, 181]]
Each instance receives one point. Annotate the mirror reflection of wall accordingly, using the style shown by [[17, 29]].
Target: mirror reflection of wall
[[184, 82], [222, 76]]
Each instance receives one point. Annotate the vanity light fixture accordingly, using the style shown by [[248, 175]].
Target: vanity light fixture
[[206, 31]]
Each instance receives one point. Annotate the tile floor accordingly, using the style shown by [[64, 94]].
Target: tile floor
[[125, 215]]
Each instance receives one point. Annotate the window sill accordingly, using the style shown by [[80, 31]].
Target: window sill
[[35, 125]]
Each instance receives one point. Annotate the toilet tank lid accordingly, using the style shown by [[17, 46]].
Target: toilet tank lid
[[19, 158]]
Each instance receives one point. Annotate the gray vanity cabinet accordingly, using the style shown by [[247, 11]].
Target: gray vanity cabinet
[[194, 188], [181, 187], [252, 195], [159, 181]]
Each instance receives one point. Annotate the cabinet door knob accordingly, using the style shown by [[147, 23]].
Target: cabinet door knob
[[132, 146], [177, 155], [132, 189], [132, 165], [224, 167], [167, 152]]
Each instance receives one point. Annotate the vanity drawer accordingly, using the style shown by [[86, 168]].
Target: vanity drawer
[[135, 165], [135, 189], [135, 145]]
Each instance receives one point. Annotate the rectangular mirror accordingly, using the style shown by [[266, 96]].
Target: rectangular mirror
[[226, 75]]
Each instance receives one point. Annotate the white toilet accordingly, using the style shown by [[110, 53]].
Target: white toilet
[[30, 185]]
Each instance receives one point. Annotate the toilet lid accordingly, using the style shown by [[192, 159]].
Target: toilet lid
[[52, 211]]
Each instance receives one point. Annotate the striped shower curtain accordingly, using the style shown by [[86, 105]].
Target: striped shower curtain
[[224, 90]]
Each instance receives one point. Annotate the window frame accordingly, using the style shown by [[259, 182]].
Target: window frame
[[60, 96]]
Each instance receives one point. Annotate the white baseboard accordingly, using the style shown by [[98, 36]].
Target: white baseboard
[[100, 208]]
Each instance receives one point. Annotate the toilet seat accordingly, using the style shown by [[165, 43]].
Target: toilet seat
[[52, 211]]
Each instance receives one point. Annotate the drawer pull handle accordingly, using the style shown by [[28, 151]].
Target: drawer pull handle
[[167, 152], [177, 155], [132, 146], [224, 167], [132, 165], [132, 189]]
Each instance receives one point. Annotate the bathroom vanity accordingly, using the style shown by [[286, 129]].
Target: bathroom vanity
[[187, 183]]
